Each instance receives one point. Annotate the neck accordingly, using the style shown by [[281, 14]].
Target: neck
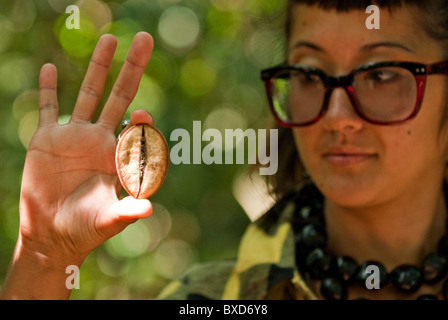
[[397, 232]]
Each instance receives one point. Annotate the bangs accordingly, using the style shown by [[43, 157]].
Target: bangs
[[346, 5], [432, 13]]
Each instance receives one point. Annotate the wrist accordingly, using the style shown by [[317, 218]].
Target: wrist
[[39, 273], [47, 257]]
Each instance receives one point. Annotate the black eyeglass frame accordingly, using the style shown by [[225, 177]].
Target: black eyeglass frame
[[419, 70]]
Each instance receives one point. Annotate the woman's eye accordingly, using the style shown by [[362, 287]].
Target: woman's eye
[[381, 75], [306, 77]]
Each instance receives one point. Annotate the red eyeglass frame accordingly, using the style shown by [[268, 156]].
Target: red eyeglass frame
[[419, 70]]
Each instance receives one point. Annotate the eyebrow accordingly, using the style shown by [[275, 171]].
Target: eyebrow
[[365, 48], [373, 46], [307, 45]]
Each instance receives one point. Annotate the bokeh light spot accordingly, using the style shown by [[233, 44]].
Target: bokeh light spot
[[6, 32], [197, 77], [95, 18], [25, 102], [28, 126], [16, 73], [179, 28], [22, 15], [225, 117], [98, 13], [150, 96], [226, 24], [131, 242], [78, 42], [158, 224], [173, 257]]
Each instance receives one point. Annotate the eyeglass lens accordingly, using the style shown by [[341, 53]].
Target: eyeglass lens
[[384, 94]]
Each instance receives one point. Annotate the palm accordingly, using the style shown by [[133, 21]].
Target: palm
[[72, 154], [63, 167], [69, 187]]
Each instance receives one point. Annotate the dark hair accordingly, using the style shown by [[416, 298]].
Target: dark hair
[[434, 12], [434, 16]]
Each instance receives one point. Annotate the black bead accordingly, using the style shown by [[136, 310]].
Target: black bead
[[311, 237], [333, 289], [443, 245], [313, 196], [427, 297], [434, 268], [363, 275], [307, 212], [445, 290], [406, 278], [318, 263], [344, 268], [317, 202]]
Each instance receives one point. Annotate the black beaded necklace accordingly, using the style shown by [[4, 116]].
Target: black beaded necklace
[[338, 272]]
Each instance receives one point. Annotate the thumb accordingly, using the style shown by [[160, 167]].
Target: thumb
[[131, 208], [122, 213]]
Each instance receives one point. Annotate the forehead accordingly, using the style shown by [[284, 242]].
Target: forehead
[[346, 31]]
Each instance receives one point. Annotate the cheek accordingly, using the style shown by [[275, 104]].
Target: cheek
[[413, 149], [306, 141], [396, 149]]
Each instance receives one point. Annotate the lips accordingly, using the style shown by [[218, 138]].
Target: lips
[[347, 156]]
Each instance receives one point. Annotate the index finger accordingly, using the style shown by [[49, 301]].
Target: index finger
[[126, 85]]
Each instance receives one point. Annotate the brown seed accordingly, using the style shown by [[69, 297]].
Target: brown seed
[[142, 159]]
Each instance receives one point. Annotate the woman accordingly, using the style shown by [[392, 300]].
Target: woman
[[371, 213]]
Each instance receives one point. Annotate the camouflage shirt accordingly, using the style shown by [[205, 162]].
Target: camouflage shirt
[[264, 269]]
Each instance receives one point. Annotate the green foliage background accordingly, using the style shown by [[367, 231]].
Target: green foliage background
[[205, 66]]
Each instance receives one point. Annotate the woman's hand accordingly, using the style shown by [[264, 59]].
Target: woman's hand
[[69, 198]]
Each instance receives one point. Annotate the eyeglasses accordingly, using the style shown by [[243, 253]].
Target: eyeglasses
[[381, 93]]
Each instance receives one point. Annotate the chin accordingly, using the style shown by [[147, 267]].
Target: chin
[[349, 193]]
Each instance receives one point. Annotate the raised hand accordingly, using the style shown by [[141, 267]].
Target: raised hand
[[69, 198]]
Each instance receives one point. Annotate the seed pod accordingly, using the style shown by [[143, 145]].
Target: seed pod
[[142, 159]]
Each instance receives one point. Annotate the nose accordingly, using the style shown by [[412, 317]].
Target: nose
[[340, 114]]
